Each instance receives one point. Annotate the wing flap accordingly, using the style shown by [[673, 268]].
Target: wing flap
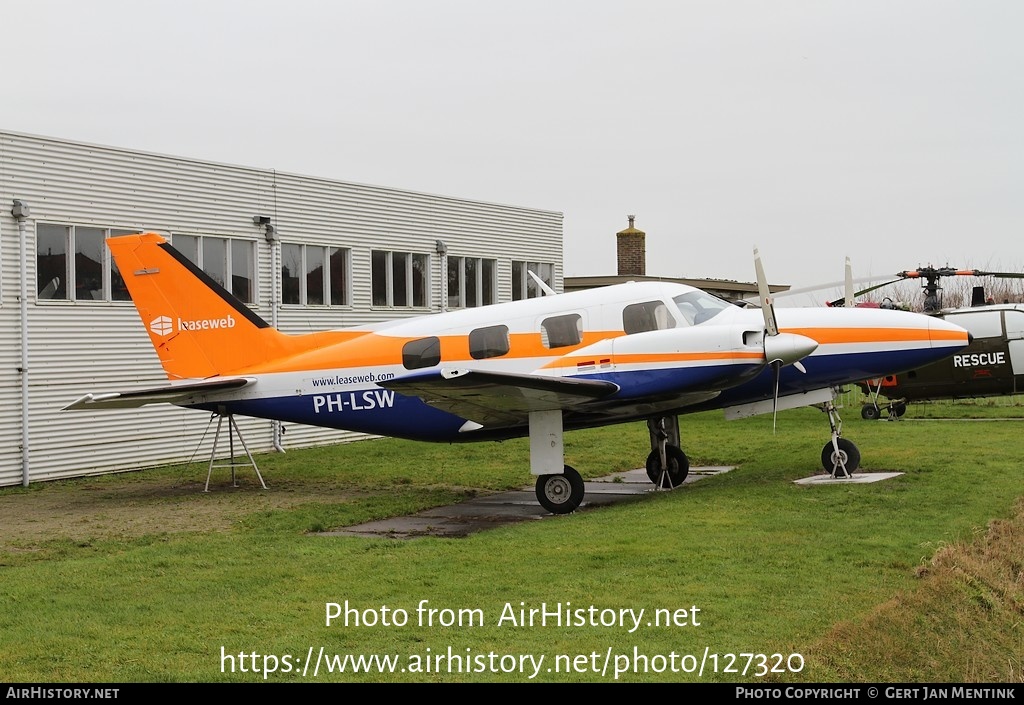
[[500, 398], [169, 394]]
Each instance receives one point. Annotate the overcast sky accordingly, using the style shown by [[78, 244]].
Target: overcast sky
[[889, 131]]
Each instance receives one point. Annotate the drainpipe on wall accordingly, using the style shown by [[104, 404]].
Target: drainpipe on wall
[[270, 233], [20, 211], [442, 250]]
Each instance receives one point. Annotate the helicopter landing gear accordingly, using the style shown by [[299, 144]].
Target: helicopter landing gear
[[840, 457], [667, 465], [893, 408]]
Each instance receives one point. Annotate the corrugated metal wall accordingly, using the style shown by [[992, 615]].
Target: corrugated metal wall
[[82, 346]]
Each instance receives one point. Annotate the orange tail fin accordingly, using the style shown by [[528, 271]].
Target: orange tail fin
[[198, 328]]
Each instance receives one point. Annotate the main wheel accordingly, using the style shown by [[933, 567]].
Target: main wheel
[[870, 412], [898, 409], [678, 466], [848, 455], [560, 494]]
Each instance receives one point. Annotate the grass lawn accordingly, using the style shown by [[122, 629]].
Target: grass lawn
[[142, 577]]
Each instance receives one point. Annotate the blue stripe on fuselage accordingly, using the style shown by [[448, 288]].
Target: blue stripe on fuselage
[[375, 410], [672, 380]]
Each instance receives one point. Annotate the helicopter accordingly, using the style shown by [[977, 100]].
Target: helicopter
[[992, 365]]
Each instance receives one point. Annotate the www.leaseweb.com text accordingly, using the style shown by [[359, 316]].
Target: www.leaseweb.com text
[[612, 663]]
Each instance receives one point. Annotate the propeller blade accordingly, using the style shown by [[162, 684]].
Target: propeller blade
[[777, 367], [766, 298]]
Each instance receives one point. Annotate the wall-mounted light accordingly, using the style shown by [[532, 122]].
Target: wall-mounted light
[[269, 231], [20, 210]]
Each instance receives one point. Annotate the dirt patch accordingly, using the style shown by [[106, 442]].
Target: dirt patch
[[139, 504]]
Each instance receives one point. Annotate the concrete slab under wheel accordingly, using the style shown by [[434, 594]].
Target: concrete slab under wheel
[[503, 508]]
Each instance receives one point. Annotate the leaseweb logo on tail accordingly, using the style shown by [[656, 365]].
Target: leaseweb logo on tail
[[165, 325]]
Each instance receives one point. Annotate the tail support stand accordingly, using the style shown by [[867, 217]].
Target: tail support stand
[[232, 432]]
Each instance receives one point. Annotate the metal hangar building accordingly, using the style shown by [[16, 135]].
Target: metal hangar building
[[305, 253]]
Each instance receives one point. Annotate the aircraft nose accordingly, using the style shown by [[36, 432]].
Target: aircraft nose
[[788, 348], [943, 334]]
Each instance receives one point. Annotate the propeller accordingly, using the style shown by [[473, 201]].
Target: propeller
[[780, 349]]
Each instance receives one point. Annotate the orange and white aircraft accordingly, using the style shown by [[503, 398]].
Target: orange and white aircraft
[[527, 368]]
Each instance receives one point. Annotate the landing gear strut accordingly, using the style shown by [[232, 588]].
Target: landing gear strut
[[840, 456], [667, 465]]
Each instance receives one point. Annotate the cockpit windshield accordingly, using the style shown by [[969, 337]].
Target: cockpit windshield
[[698, 306]]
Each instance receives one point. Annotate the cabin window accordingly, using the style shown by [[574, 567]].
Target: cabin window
[[523, 285], [88, 274], [399, 278], [650, 315], [425, 352], [1014, 324], [698, 306], [562, 331], [471, 282], [313, 275], [488, 342]]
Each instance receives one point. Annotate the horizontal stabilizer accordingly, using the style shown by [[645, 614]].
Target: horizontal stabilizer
[[168, 394], [500, 398]]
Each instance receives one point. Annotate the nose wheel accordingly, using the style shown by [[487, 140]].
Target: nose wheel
[[840, 460], [840, 457]]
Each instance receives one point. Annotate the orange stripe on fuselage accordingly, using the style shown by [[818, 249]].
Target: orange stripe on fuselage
[[656, 358], [835, 336], [368, 349]]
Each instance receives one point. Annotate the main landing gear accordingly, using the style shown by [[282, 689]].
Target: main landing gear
[[667, 465], [562, 493], [840, 456]]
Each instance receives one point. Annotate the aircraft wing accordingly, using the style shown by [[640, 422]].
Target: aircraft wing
[[156, 395], [499, 398]]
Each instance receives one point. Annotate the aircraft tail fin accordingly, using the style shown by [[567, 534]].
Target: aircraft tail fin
[[197, 327]]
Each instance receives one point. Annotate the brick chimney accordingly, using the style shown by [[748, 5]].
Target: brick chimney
[[631, 251]]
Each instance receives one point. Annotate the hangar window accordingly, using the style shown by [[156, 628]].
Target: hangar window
[[562, 331], [229, 262], [488, 342], [523, 285], [314, 275], [399, 278], [471, 282], [73, 263], [650, 315], [425, 352]]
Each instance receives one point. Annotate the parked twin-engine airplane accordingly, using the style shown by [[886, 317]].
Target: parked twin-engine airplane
[[526, 368]]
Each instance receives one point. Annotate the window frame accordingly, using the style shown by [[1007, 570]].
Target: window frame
[[523, 282], [408, 284], [485, 286], [229, 255], [109, 275], [328, 267]]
